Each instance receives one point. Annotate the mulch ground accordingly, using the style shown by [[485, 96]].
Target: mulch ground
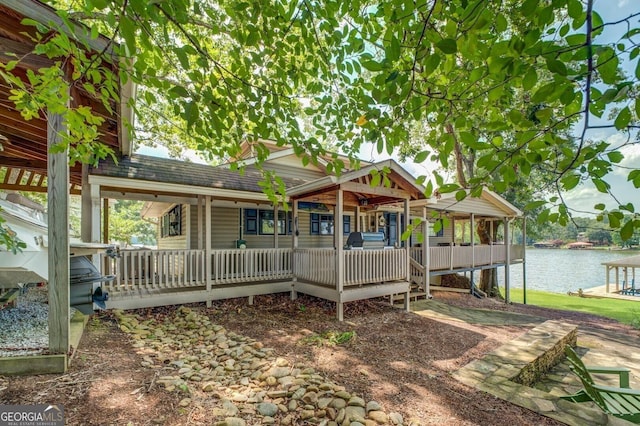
[[402, 360]]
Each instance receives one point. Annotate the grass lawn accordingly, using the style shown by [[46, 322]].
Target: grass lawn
[[626, 311]]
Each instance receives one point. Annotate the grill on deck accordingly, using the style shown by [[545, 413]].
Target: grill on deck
[[365, 240]]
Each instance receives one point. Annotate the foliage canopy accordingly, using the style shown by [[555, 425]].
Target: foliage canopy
[[518, 84]]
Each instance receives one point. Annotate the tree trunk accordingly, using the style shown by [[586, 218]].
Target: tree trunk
[[488, 277]]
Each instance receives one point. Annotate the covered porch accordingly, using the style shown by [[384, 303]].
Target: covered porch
[[215, 255]]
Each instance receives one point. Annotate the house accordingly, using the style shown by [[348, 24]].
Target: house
[[220, 236]]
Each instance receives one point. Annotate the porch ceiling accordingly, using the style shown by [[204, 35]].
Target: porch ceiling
[[23, 143]]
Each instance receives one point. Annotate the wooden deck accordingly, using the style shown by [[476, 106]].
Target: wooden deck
[[147, 278]]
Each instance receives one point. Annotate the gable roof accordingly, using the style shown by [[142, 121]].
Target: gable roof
[[488, 204]]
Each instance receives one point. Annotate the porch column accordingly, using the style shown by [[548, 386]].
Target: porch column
[[58, 215], [425, 252], [356, 226], [407, 250], [507, 276], [207, 247], [105, 220], [524, 260], [199, 219], [294, 245], [275, 225], [85, 207], [95, 213], [338, 238]]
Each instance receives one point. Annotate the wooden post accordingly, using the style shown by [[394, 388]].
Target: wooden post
[[58, 215], [276, 223], [407, 250], [472, 241], [425, 252], [200, 222], [507, 275], [357, 225], [95, 213], [295, 232], [339, 250], [85, 207], [524, 260], [207, 247], [105, 221]]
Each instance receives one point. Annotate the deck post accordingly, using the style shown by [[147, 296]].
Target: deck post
[[295, 232], [407, 251], [472, 241], [524, 260], [357, 226], [339, 250], [58, 212], [425, 252], [207, 248], [200, 222], [95, 213], [105, 220], [85, 207], [507, 275], [276, 223]]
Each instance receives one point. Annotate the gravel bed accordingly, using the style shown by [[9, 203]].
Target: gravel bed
[[24, 329]]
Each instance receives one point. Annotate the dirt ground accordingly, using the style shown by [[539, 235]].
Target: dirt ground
[[401, 360]]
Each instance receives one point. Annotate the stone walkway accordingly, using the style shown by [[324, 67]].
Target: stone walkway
[[495, 373]]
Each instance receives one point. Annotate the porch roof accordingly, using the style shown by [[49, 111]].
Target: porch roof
[[23, 143], [358, 182], [164, 170], [626, 262]]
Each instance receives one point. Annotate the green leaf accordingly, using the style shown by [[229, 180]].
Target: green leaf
[[557, 67], [570, 181], [421, 157], [372, 65], [615, 156], [529, 7], [530, 79], [623, 119], [447, 45], [600, 206], [601, 185], [627, 230], [461, 195], [392, 52], [574, 8], [534, 205]]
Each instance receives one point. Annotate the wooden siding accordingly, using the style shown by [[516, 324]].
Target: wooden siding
[[178, 242], [225, 227]]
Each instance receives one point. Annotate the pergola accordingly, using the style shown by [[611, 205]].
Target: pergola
[[626, 264], [26, 161]]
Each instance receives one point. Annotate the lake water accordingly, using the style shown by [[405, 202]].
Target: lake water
[[560, 271]]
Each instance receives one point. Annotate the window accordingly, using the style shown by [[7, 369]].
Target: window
[[261, 222], [322, 224], [171, 222]]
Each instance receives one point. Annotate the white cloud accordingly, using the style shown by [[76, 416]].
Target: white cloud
[[161, 151]]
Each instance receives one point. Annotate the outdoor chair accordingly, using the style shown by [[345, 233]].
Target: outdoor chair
[[620, 402]]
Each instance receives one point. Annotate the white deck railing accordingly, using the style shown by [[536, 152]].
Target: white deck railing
[[247, 265], [454, 257], [166, 269], [172, 269], [374, 266], [317, 265], [155, 269]]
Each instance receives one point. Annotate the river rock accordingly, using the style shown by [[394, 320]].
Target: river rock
[[379, 417], [267, 409]]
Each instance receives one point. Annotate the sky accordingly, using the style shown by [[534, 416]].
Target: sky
[[582, 199]]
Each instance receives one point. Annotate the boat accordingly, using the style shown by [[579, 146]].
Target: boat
[[27, 221]]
